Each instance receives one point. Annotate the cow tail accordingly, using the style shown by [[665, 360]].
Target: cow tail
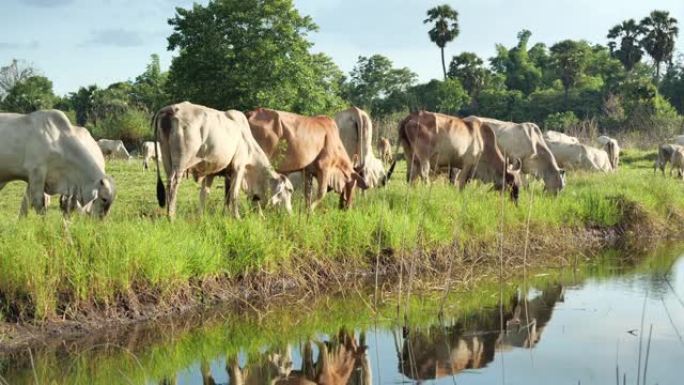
[[161, 191]]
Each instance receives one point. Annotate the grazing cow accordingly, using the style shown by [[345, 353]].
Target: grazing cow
[[113, 148], [148, 152], [441, 141], [580, 157], [677, 162], [611, 146], [310, 144], [665, 152], [212, 143], [54, 157], [524, 141], [555, 136], [385, 150], [356, 132]]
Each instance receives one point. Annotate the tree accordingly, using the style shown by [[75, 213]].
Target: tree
[[14, 73], [31, 94], [629, 34], [660, 32], [374, 78], [445, 28], [447, 96], [149, 88], [517, 67], [82, 103], [468, 68], [244, 54], [570, 60], [672, 86]]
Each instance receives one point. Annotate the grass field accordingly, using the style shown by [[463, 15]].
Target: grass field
[[51, 268]]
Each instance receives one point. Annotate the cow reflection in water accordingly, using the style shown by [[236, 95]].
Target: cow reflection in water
[[341, 361], [441, 351]]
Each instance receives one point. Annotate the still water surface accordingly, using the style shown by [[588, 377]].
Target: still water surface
[[585, 332]]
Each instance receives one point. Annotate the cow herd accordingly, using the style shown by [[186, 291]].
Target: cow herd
[[266, 154]]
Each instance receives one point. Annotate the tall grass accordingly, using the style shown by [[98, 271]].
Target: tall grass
[[52, 267]]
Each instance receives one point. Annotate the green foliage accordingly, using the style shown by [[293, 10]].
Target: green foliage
[[131, 125], [149, 90], [660, 31], [560, 121], [248, 53], [569, 61], [377, 86], [672, 86], [469, 70], [517, 67], [31, 94], [447, 96], [82, 103], [14, 73]]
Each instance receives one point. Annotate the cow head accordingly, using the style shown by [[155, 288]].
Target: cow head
[[98, 198], [554, 180], [282, 190], [347, 195]]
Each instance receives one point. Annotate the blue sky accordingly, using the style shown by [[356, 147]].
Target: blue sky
[[81, 42]]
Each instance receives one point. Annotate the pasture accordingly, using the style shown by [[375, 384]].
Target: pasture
[[54, 268]]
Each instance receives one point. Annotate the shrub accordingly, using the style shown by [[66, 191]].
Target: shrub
[[131, 126]]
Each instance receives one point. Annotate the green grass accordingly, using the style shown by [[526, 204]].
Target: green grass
[[52, 268]]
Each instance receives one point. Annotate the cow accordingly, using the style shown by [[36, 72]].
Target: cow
[[580, 157], [679, 139], [611, 146], [433, 140], [555, 136], [524, 141], [113, 148], [356, 132], [385, 150], [677, 162], [148, 151], [45, 150], [665, 152], [310, 144], [212, 143]]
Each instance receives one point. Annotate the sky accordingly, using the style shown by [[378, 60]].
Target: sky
[[80, 42]]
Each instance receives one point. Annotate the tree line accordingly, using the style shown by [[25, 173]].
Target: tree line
[[248, 53]]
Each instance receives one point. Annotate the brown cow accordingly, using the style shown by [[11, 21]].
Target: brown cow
[[442, 141], [310, 144], [385, 150]]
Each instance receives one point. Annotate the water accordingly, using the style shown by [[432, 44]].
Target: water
[[564, 331]]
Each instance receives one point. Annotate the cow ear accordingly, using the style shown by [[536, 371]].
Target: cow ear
[[360, 181]]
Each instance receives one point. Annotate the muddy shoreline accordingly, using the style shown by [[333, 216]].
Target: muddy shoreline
[[462, 265]]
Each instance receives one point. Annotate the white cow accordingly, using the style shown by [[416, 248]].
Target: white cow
[[580, 157], [679, 139], [556, 136], [677, 162], [524, 141], [356, 132], [148, 152], [211, 143], [611, 146], [45, 150], [113, 148], [665, 152]]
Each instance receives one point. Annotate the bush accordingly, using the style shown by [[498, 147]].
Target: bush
[[131, 126], [561, 121]]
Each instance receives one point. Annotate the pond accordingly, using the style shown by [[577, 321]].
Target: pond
[[620, 319]]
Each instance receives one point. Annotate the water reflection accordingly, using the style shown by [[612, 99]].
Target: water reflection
[[471, 343]]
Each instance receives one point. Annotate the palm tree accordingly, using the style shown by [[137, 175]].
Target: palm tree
[[445, 28], [628, 33], [660, 32]]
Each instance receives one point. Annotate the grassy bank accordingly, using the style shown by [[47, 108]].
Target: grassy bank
[[147, 354], [136, 263]]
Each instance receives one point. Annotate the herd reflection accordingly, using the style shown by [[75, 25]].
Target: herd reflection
[[425, 353]]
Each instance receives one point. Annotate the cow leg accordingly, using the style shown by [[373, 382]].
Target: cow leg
[[425, 170], [146, 166], [308, 186], [235, 185], [36, 190], [172, 192], [464, 176], [204, 192], [322, 179]]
